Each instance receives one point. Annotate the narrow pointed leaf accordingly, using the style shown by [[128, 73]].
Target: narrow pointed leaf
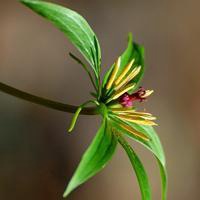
[[154, 145], [163, 175], [95, 158], [138, 167], [73, 25], [133, 51]]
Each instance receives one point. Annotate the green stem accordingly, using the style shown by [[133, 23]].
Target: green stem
[[46, 102], [85, 68], [99, 88], [77, 113]]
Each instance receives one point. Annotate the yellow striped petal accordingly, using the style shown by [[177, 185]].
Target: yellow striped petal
[[124, 72], [134, 132], [142, 113], [147, 93], [120, 92], [134, 113], [137, 120], [114, 73], [134, 73], [129, 111], [141, 116], [122, 110]]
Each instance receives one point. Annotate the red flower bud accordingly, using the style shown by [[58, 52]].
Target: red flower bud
[[126, 100]]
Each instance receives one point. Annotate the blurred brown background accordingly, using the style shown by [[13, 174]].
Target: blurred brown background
[[37, 157]]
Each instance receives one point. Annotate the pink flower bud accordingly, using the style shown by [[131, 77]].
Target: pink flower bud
[[126, 100]]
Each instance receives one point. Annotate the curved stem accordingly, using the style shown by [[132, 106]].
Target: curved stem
[[46, 102], [85, 68], [77, 113]]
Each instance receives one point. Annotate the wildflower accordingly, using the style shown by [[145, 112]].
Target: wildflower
[[118, 89]]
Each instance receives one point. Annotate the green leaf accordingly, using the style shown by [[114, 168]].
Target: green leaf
[[74, 26], [133, 51], [95, 158], [154, 145], [163, 174], [138, 167]]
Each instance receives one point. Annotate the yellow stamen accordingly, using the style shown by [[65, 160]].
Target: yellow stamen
[[120, 92], [123, 110], [133, 112], [141, 116], [137, 120], [135, 132], [129, 111], [149, 118], [124, 72], [114, 73], [142, 113], [147, 93], [128, 78]]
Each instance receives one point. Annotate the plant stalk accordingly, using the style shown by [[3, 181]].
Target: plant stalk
[[46, 102]]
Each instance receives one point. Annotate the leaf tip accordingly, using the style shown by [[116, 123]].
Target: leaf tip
[[65, 194], [30, 3], [130, 36], [72, 185], [70, 129], [27, 1]]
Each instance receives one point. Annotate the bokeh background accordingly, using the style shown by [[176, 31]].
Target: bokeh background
[[37, 157]]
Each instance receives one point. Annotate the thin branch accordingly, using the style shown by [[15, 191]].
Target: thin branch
[[85, 68], [45, 102]]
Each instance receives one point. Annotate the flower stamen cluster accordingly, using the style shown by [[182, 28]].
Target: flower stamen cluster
[[118, 87], [127, 100]]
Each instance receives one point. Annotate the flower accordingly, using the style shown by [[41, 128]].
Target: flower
[[120, 100]]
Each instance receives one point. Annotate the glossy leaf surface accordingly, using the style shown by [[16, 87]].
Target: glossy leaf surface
[[154, 145], [138, 168], [133, 51], [95, 158], [74, 26]]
